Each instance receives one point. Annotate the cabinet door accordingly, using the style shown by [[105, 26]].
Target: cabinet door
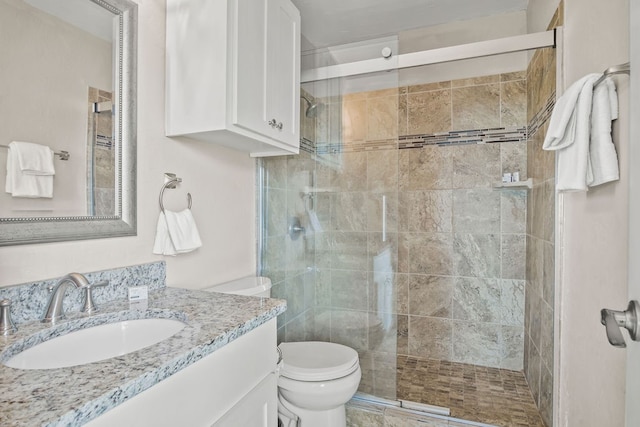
[[283, 70], [259, 408], [249, 61]]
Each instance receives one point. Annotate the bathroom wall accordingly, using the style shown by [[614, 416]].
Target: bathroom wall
[[221, 181], [594, 234], [540, 290]]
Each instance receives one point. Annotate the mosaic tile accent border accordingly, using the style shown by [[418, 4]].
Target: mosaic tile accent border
[[307, 145], [542, 116], [473, 136]]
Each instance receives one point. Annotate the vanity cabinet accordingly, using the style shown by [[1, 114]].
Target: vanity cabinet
[[235, 385], [233, 73]]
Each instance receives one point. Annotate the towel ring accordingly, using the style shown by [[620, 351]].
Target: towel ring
[[172, 183]]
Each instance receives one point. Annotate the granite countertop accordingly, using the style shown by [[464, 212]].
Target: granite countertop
[[75, 395]]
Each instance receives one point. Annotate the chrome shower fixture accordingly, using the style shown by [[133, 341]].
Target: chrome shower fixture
[[312, 108]]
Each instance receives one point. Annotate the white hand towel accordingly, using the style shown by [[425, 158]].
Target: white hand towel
[[162, 244], [21, 184], [34, 159], [562, 126], [569, 132], [602, 152], [176, 233]]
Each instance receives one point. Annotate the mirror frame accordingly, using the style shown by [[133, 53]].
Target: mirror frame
[[17, 231]]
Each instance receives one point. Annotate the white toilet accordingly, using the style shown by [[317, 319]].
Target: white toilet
[[316, 378]]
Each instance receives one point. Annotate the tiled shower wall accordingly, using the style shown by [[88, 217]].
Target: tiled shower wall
[[450, 260], [460, 244], [539, 313]]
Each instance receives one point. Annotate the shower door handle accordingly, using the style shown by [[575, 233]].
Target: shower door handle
[[614, 320]]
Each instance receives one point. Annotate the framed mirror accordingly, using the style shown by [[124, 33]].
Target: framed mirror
[[68, 87]]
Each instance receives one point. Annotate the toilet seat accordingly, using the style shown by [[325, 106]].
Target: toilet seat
[[317, 361]]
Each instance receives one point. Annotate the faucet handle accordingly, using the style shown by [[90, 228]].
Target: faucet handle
[[7, 326], [89, 304]]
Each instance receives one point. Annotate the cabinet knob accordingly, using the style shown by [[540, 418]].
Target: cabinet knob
[[272, 123], [279, 126]]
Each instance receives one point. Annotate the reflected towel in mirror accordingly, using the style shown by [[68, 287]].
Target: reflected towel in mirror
[[30, 170]]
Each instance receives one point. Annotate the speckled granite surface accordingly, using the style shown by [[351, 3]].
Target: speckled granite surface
[[72, 396], [29, 299]]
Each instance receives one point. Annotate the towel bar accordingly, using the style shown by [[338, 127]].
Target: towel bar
[[617, 69], [172, 182], [64, 155]]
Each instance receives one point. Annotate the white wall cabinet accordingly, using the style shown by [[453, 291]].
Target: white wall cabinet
[[233, 73], [234, 386]]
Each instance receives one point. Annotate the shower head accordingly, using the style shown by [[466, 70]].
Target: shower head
[[312, 108]]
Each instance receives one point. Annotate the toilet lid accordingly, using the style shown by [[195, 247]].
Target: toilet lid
[[317, 361]]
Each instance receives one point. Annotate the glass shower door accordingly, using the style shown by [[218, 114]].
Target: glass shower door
[[339, 275]]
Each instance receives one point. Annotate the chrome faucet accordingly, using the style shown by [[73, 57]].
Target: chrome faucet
[[54, 311]]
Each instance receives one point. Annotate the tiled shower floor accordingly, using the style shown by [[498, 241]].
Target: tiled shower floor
[[475, 393]]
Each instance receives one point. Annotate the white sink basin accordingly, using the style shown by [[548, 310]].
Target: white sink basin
[[96, 343]]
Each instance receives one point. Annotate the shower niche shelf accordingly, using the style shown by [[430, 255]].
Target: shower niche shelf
[[518, 185]]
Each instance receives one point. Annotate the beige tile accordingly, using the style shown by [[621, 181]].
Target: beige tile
[[513, 211], [403, 334], [476, 166], [477, 255], [427, 168], [349, 212], [475, 107], [382, 170], [430, 337], [425, 211], [276, 218], [476, 211], [428, 87], [513, 256], [430, 253], [513, 103], [429, 112], [348, 250], [516, 75], [512, 302], [275, 171], [382, 212], [513, 156], [477, 300], [403, 111], [354, 120], [382, 118], [402, 302], [349, 289], [430, 295], [475, 81], [512, 347], [476, 343], [359, 417]]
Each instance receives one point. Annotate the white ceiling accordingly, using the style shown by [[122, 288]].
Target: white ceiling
[[335, 22]]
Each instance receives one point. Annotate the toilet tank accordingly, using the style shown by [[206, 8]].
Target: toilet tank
[[251, 285]]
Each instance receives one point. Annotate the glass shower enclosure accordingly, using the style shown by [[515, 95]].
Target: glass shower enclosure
[[329, 235]]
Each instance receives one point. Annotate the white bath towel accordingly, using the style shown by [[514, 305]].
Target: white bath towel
[[30, 170], [569, 132], [176, 233], [602, 152]]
